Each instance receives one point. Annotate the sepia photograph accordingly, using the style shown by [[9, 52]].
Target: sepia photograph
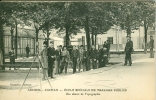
[[75, 50]]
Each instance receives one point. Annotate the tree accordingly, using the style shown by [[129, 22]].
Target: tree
[[82, 11], [44, 15], [68, 21], [101, 20], [5, 12], [147, 17], [126, 15]]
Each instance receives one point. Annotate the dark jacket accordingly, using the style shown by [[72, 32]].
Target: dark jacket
[[129, 46], [152, 43], [70, 48], [102, 53], [107, 45], [74, 54], [50, 52], [93, 54], [27, 49]]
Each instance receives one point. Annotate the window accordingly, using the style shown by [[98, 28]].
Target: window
[[110, 39]]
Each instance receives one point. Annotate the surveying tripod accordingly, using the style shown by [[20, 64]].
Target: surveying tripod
[[40, 66]]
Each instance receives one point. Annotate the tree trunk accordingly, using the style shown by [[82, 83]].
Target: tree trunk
[[92, 36], [48, 37], [128, 26], [87, 34], [67, 35], [12, 31], [95, 40], [2, 41], [16, 44], [145, 30]]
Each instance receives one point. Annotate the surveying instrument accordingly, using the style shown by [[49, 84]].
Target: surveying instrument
[[39, 66]]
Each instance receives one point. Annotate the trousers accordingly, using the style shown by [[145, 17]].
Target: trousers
[[151, 53], [45, 73], [128, 58], [50, 68], [74, 64], [64, 63], [93, 64]]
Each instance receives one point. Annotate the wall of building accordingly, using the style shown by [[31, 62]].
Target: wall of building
[[119, 38]]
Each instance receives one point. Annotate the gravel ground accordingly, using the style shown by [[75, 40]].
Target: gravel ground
[[136, 82]]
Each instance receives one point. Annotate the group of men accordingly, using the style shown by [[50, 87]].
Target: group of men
[[81, 58], [63, 57]]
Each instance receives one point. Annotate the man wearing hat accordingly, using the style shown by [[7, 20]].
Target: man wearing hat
[[151, 47], [93, 58], [107, 46], [128, 51], [74, 58], [58, 59], [51, 58], [65, 57], [82, 57], [44, 61]]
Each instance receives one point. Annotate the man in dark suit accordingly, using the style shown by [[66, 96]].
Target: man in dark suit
[[51, 59], [27, 51], [93, 57], [151, 47], [107, 46], [108, 49], [100, 56], [86, 59], [104, 57], [128, 51], [12, 58], [58, 59], [74, 58]]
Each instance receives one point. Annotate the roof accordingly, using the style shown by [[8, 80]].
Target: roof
[[22, 32]]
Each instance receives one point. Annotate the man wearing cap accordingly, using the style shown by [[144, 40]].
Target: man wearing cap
[[82, 57], [102, 56], [93, 57], [12, 58], [65, 57], [107, 46], [108, 49], [128, 51], [74, 58], [58, 58], [151, 47], [51, 59]]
